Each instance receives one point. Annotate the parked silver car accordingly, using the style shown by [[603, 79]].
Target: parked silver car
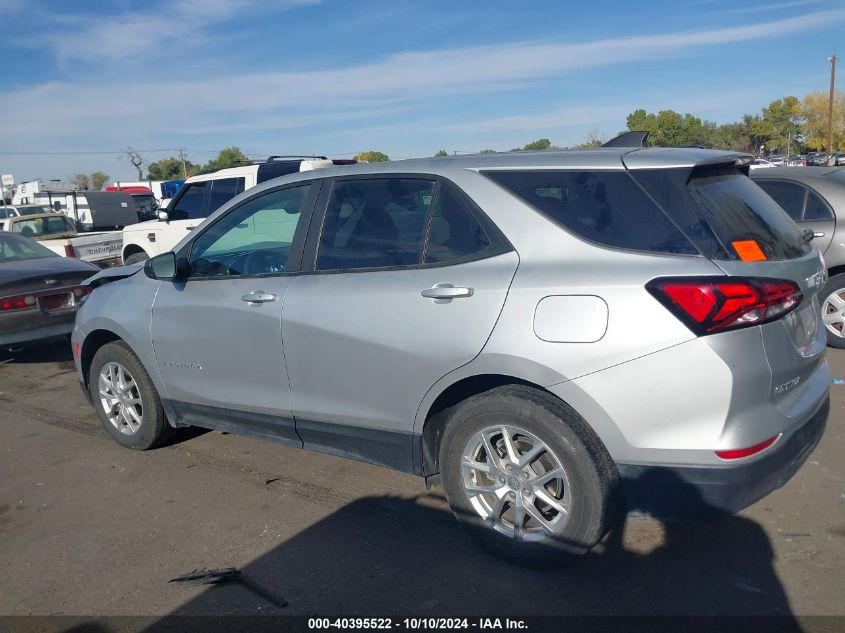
[[815, 198], [550, 334]]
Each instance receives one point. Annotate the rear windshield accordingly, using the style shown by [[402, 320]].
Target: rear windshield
[[723, 212], [605, 207], [41, 226]]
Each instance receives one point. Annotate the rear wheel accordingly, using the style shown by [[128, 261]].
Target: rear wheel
[[125, 398], [134, 258], [833, 310], [527, 475]]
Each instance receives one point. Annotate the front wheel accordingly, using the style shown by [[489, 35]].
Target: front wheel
[[125, 398], [527, 475], [833, 310]]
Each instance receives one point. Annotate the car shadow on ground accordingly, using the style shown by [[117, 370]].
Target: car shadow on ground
[[53, 350], [388, 555]]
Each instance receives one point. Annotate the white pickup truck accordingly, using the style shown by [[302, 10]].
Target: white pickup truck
[[58, 233], [201, 195]]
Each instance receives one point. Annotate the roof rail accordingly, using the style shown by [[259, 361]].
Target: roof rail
[[270, 159], [628, 139]]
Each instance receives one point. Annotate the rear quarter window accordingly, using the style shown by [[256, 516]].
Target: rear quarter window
[[607, 208]]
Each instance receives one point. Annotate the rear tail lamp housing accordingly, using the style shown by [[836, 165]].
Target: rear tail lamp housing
[[707, 305]]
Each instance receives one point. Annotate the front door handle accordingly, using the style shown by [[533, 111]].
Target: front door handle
[[258, 296], [442, 293]]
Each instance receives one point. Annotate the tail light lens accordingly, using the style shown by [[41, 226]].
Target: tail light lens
[[69, 251], [714, 304], [17, 302], [30, 301]]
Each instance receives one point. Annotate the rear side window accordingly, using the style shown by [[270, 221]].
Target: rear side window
[[788, 195], [375, 223], [604, 207], [721, 209], [816, 208], [455, 233]]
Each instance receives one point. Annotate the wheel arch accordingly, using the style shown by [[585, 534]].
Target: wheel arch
[[437, 413], [131, 249], [93, 342]]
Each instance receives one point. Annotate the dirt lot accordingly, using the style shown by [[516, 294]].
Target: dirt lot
[[89, 528]]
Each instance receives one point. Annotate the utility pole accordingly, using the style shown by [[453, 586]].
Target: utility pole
[[832, 61], [182, 158]]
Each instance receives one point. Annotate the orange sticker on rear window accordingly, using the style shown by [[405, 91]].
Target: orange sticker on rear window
[[749, 251]]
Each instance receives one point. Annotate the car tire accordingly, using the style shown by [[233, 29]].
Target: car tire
[[587, 490], [135, 418], [833, 314], [134, 258]]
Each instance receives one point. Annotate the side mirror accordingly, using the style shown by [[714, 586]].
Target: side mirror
[[164, 267], [162, 215]]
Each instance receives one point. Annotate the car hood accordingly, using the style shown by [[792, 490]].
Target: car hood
[[113, 274]]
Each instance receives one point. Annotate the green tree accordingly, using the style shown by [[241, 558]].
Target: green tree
[[81, 181], [814, 120], [227, 157], [372, 156], [593, 140], [98, 179], [441, 152], [171, 168], [487, 151], [668, 128], [779, 123], [540, 143]]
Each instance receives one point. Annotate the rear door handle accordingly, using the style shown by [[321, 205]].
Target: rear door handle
[[818, 234], [446, 292], [258, 296]]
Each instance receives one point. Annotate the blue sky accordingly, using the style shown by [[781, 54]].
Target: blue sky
[[408, 78]]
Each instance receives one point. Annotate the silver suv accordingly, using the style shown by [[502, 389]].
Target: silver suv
[[552, 335]]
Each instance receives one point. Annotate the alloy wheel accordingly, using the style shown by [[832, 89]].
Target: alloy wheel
[[516, 483], [120, 398]]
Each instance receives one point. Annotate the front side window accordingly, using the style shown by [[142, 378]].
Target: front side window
[[192, 203], [224, 190], [375, 223], [252, 239]]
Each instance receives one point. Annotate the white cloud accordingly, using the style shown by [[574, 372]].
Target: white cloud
[[103, 115], [177, 26]]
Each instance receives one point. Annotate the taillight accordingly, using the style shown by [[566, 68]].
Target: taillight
[[69, 251], [715, 304], [739, 453], [17, 302]]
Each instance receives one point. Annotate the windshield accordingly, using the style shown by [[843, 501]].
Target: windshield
[[34, 210], [15, 247], [41, 226]]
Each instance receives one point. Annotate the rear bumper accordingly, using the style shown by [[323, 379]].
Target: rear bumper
[[679, 492]]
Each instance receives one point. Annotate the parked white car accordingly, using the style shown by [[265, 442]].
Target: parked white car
[[761, 163], [202, 195]]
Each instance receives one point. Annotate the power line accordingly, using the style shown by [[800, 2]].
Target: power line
[[101, 152]]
